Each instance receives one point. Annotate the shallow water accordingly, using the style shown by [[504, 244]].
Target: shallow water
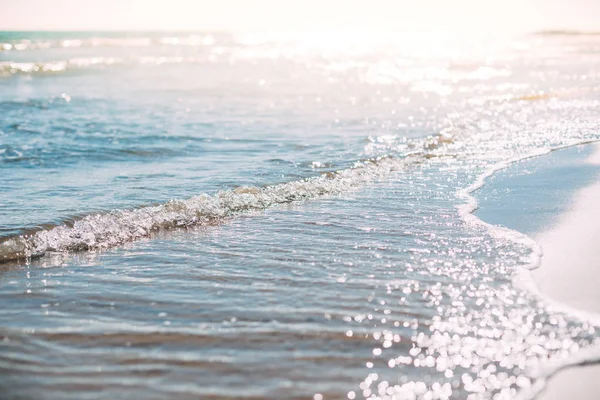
[[315, 245]]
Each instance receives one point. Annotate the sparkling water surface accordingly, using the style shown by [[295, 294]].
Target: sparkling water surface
[[201, 215]]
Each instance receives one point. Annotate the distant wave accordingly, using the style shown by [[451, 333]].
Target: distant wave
[[185, 40], [559, 32], [9, 68]]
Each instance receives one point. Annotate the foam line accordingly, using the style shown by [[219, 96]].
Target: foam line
[[102, 231]]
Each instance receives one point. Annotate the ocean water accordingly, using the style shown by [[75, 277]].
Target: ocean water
[[210, 215]]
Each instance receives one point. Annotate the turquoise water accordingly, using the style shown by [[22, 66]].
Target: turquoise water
[[201, 215]]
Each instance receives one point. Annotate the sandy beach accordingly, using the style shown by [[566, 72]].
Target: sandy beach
[[570, 274]]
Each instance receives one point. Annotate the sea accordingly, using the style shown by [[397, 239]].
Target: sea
[[209, 215]]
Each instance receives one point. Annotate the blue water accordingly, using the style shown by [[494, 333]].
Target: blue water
[[200, 215]]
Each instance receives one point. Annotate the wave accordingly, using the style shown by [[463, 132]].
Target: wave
[[102, 231], [8, 68], [168, 40], [559, 32]]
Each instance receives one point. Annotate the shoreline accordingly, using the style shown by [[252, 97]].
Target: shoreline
[[568, 274]]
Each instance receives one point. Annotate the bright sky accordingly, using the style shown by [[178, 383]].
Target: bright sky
[[455, 16]]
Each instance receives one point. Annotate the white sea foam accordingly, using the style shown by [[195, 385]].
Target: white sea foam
[[8, 68], [183, 40], [111, 229]]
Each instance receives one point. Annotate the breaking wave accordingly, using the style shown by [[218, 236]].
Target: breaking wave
[[120, 226]]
